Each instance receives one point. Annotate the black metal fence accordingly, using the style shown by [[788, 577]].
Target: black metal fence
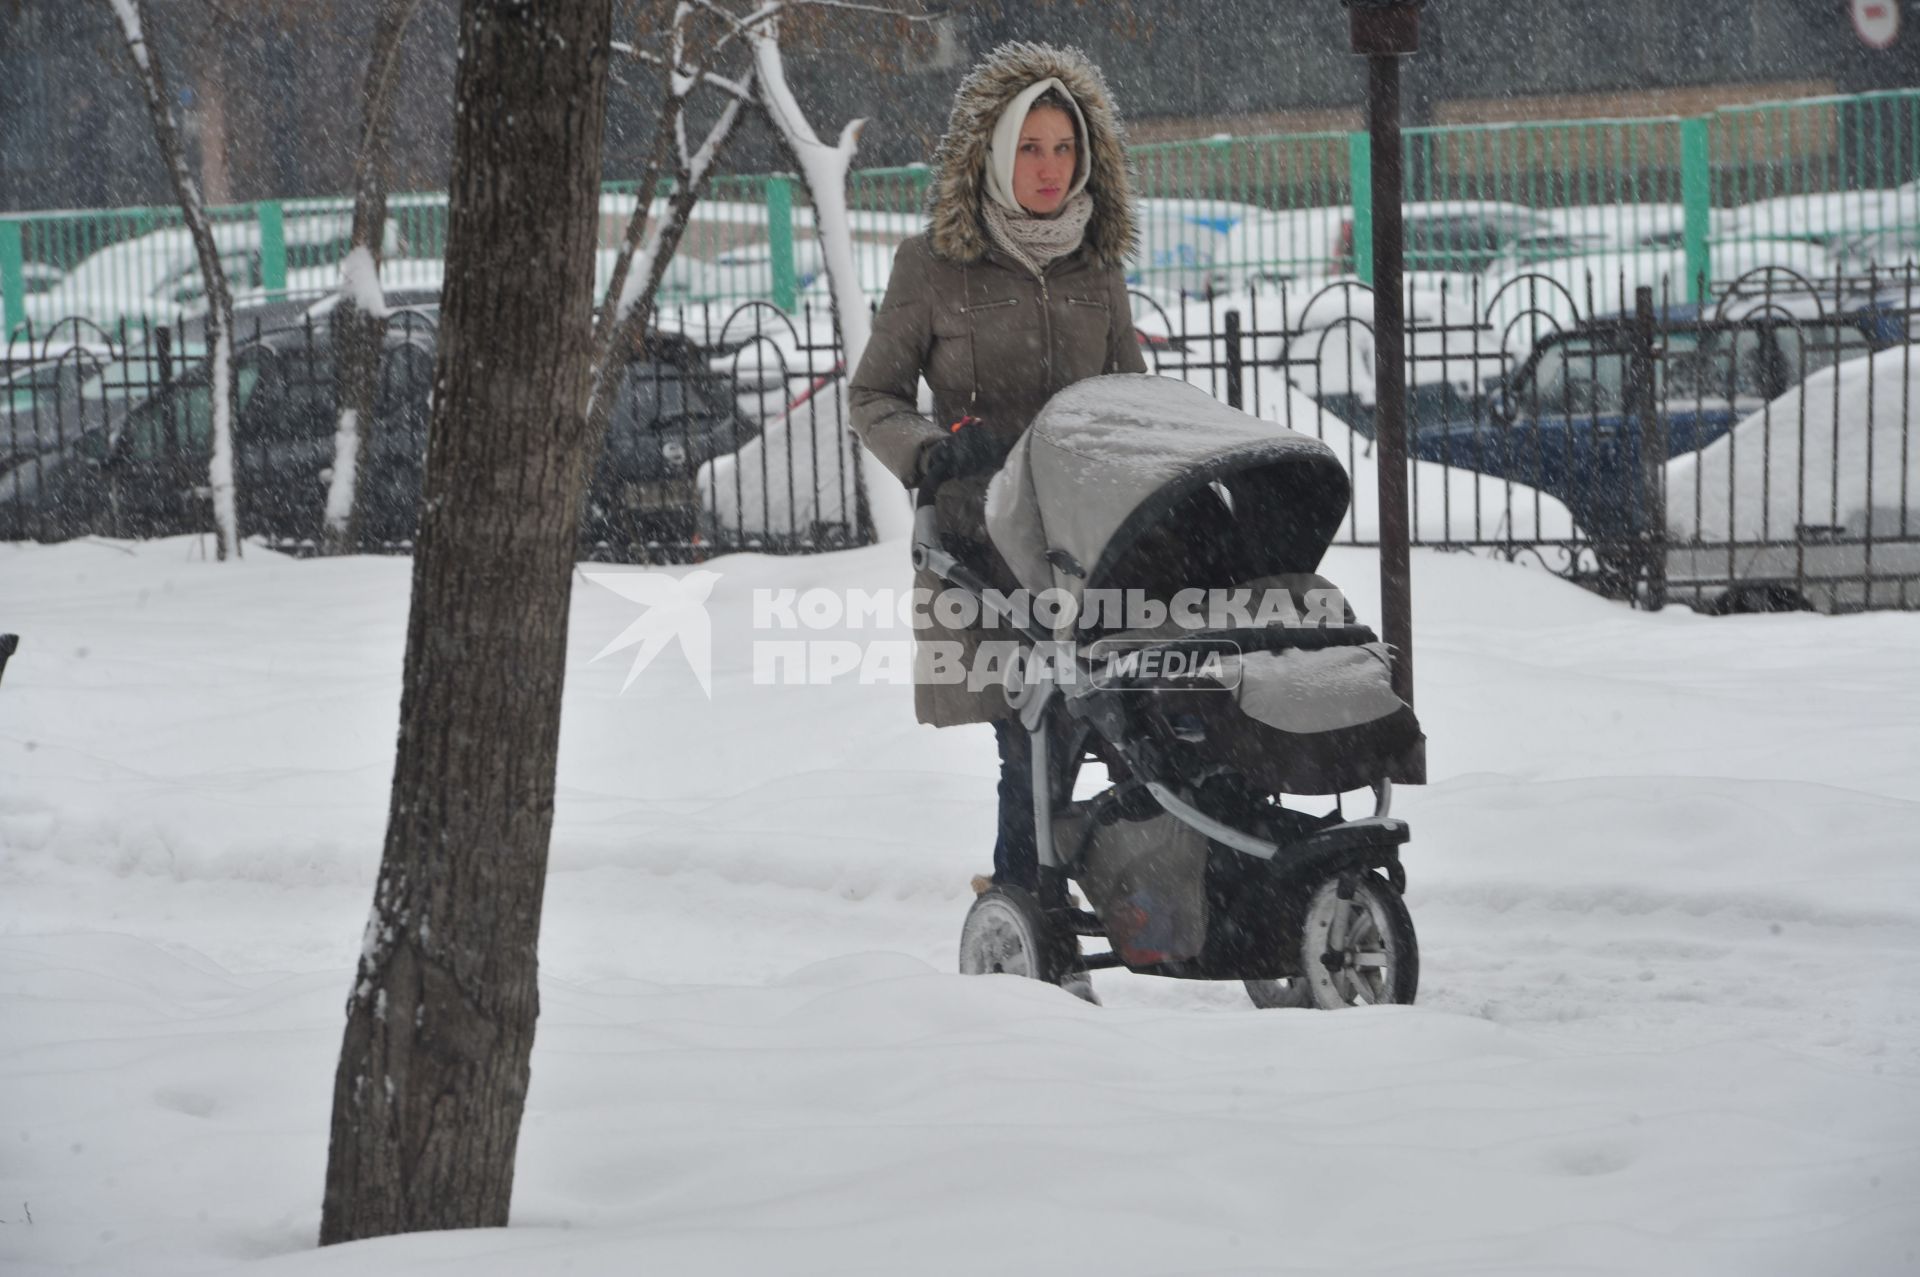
[[1757, 450], [727, 432]]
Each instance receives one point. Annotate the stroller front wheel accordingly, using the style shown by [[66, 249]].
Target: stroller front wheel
[[1356, 948], [1006, 932]]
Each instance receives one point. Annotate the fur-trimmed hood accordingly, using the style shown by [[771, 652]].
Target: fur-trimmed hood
[[954, 227]]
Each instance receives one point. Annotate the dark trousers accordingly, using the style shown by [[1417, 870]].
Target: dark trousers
[[1016, 853]]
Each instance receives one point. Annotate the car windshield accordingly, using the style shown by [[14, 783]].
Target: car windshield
[[292, 397], [658, 396], [180, 420], [1451, 244], [1576, 376], [1821, 345], [1705, 366], [1590, 375]]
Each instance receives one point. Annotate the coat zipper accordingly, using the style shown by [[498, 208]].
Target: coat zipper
[[1046, 317]]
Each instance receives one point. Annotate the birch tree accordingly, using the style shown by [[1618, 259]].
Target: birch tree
[[732, 52], [359, 319], [767, 31], [135, 22], [435, 1059]]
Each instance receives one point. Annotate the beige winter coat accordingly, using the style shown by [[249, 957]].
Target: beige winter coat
[[990, 338]]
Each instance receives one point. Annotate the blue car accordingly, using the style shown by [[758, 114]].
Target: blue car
[[1562, 421]]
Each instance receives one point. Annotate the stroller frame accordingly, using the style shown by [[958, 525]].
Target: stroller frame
[[1331, 872]]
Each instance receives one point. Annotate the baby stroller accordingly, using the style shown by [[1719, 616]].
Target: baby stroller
[[1129, 489]]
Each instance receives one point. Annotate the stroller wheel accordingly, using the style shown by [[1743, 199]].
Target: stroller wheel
[[1271, 995], [1006, 932], [1356, 950]]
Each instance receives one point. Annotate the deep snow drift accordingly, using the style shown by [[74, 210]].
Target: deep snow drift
[[1665, 879]]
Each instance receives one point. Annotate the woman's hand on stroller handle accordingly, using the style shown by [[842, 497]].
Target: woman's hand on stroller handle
[[967, 448]]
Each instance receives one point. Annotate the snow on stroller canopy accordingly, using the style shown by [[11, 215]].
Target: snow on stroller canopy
[[1109, 457]]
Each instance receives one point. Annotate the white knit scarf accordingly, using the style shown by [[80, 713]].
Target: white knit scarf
[[1036, 242]]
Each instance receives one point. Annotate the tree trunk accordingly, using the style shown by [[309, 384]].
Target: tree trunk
[[210, 96], [359, 333], [136, 22], [433, 1070]]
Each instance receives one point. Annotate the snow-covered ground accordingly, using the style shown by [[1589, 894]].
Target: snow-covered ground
[[1667, 880]]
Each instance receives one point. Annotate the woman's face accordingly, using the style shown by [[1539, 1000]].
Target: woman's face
[[1043, 167]]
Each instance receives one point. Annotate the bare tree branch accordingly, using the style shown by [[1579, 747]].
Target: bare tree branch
[[732, 88], [135, 21]]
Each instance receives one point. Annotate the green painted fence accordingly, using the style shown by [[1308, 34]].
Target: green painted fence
[[1815, 187]]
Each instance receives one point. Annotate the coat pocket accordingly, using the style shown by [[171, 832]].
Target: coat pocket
[[978, 308], [1082, 350]]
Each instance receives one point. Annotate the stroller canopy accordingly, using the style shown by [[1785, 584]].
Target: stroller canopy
[[1110, 458]]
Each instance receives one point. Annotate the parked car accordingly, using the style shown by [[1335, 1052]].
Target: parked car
[[1529, 250], [1188, 247], [146, 474], [156, 276], [1212, 247], [38, 277], [1829, 218], [45, 412], [1895, 251], [1463, 237], [141, 469], [1811, 502], [1562, 422], [1554, 296]]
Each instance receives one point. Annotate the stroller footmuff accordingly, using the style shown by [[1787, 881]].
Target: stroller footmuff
[[1214, 674]]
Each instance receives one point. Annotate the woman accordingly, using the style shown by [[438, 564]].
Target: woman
[[1016, 290]]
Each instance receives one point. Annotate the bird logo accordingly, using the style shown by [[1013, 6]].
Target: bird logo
[[676, 608]]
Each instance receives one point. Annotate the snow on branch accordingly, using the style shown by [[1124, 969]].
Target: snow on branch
[[132, 30], [647, 261], [714, 27], [741, 89], [825, 170]]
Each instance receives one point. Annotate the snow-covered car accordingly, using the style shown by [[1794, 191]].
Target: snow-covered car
[[744, 273], [1829, 219], [1623, 226], [1895, 252], [404, 281], [1185, 244], [1534, 247], [1449, 245], [794, 480], [1526, 306], [1811, 501], [38, 277], [1212, 247], [156, 277], [1462, 237]]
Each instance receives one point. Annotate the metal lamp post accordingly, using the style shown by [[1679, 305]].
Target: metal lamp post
[[1383, 32]]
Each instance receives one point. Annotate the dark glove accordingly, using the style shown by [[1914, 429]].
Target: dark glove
[[969, 448]]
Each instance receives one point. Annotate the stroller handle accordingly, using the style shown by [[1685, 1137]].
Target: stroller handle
[[926, 532]]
